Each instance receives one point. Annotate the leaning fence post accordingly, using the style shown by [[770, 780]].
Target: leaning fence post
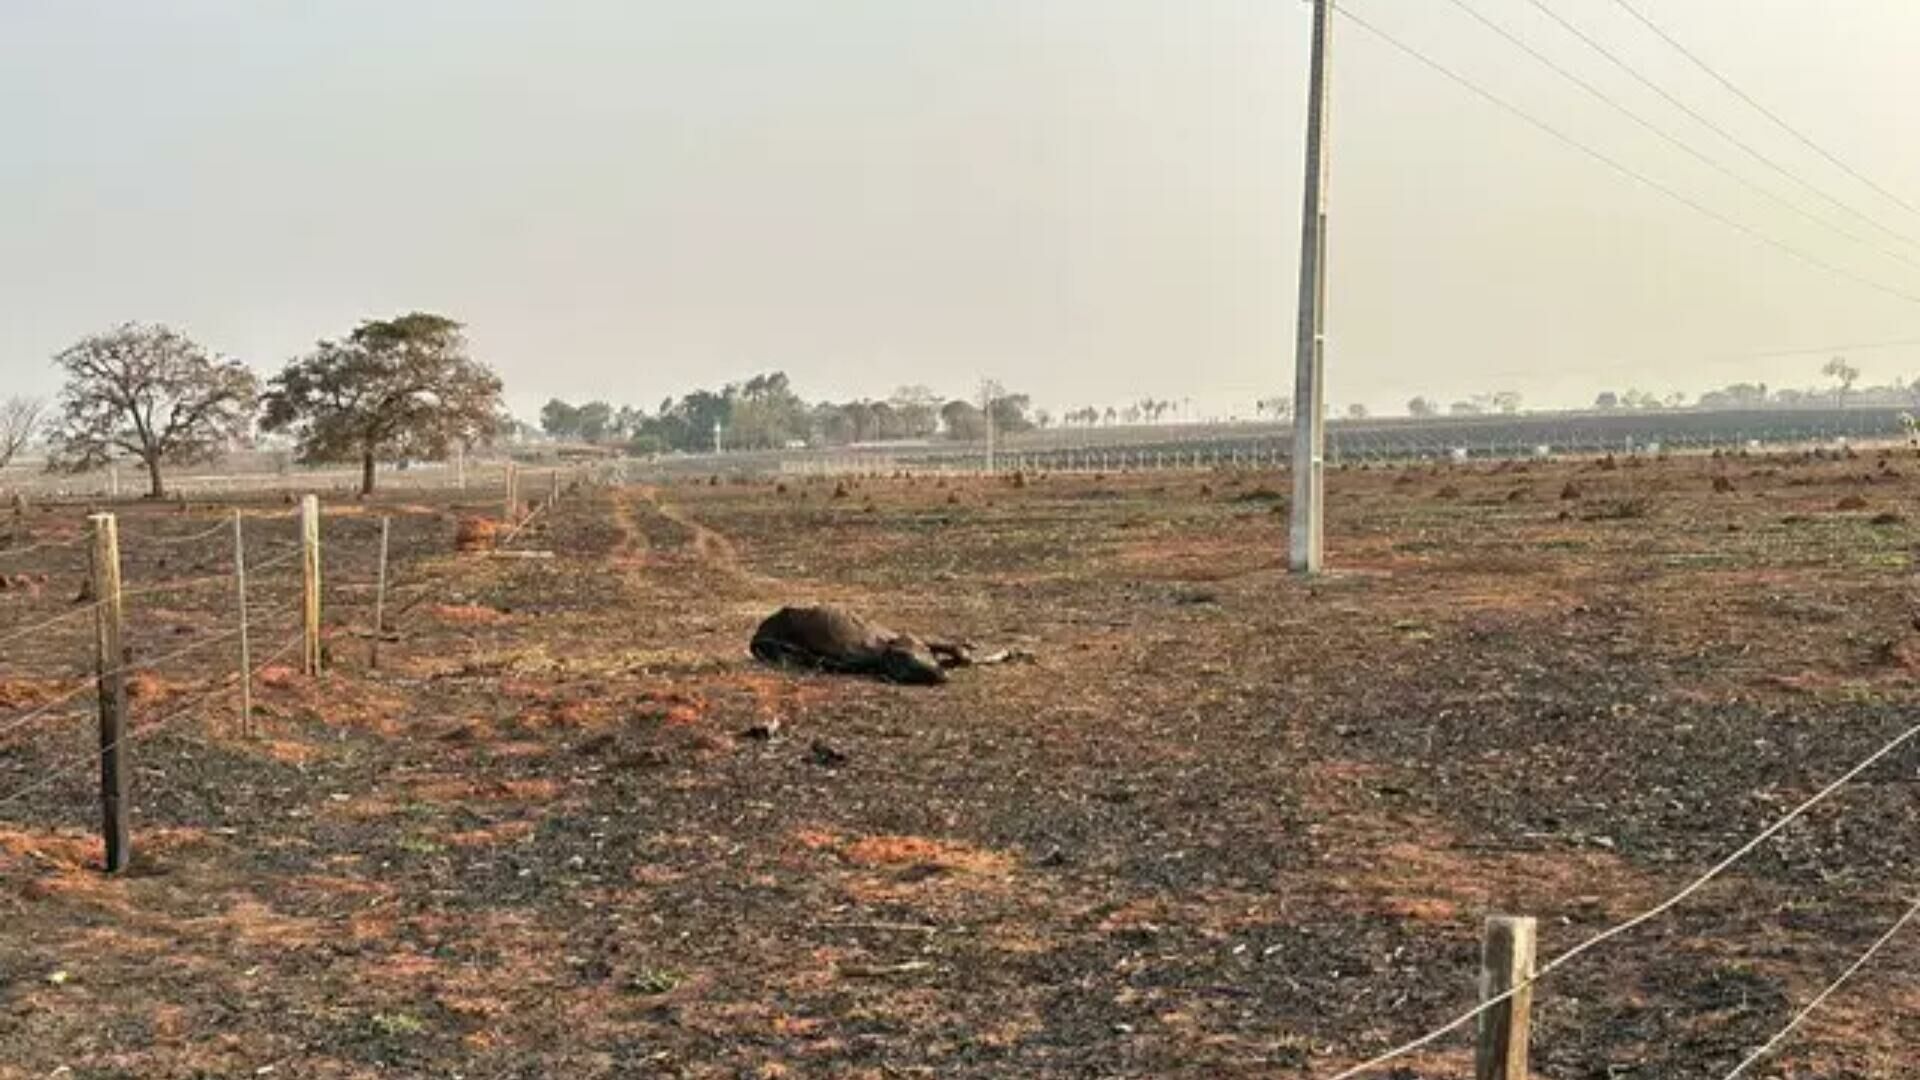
[[310, 584], [1506, 967], [110, 665], [380, 597], [246, 647]]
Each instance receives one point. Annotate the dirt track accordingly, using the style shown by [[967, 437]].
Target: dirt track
[[1226, 825]]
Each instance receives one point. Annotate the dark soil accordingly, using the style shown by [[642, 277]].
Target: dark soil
[[1226, 824]]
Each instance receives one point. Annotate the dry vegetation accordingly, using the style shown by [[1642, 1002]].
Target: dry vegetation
[[1226, 826]]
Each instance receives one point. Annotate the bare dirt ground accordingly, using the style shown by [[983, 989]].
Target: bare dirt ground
[[1225, 826]]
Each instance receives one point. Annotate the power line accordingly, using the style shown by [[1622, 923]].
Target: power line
[[1715, 360], [1614, 58], [1821, 998], [1857, 346], [1762, 109], [1612, 163]]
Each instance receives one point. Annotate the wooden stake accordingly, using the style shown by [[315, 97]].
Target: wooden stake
[[513, 497], [1506, 962], [310, 585], [246, 646], [110, 666], [380, 598]]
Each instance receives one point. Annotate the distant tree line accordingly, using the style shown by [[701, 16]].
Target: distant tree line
[[1758, 395], [1500, 403], [1145, 411], [764, 412]]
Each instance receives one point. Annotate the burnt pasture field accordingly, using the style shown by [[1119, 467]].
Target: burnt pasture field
[[1224, 824]]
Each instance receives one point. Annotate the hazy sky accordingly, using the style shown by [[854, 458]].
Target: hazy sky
[[1092, 200]]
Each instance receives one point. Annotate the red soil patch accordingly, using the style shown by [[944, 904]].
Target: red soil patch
[[924, 851], [470, 615], [673, 708], [146, 688], [506, 832], [28, 693]]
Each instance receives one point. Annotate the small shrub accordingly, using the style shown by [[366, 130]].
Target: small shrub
[[397, 1025], [652, 981], [1851, 503], [1722, 486]]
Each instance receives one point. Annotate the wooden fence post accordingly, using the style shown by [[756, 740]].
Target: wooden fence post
[[310, 584], [513, 496], [1506, 963], [553, 493], [110, 665], [246, 647], [380, 597]]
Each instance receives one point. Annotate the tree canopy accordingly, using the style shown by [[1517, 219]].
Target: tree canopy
[[400, 389], [152, 394]]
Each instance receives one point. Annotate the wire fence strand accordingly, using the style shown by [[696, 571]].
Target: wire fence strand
[[48, 624], [175, 541], [45, 545], [1644, 917], [1821, 998], [18, 722], [135, 735]]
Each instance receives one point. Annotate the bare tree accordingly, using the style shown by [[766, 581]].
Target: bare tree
[[150, 393], [19, 419], [1842, 373]]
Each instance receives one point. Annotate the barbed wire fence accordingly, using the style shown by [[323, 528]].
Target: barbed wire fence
[[1508, 976], [281, 597], [280, 591]]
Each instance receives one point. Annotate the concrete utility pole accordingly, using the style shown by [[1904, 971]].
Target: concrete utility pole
[[1309, 420]]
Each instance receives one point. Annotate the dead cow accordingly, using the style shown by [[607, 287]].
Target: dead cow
[[836, 640]]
